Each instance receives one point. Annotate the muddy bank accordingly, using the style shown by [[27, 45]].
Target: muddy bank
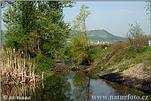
[[135, 77]]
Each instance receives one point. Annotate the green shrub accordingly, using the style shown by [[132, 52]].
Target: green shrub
[[80, 51], [44, 63], [101, 53], [123, 67], [144, 57]]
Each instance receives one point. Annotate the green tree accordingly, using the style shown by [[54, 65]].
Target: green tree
[[51, 27], [36, 28], [19, 20], [80, 48], [79, 23]]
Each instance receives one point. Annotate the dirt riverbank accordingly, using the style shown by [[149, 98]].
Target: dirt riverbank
[[136, 77]]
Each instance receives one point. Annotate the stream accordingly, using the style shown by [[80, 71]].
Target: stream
[[77, 86]]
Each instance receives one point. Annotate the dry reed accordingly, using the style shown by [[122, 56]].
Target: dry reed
[[16, 69]]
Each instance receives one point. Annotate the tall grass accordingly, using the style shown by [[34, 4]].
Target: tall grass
[[16, 69]]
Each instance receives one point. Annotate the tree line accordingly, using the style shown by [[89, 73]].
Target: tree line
[[36, 29]]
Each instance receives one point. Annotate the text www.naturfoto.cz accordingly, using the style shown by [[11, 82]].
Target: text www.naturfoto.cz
[[119, 97]]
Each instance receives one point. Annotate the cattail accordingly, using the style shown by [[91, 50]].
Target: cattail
[[19, 68]]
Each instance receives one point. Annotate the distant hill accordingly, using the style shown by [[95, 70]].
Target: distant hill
[[102, 35]]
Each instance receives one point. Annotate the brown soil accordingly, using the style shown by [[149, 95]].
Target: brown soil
[[136, 76]]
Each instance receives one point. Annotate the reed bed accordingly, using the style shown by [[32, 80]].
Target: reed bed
[[16, 69], [20, 90]]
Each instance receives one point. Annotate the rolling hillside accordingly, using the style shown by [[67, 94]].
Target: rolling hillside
[[103, 35]]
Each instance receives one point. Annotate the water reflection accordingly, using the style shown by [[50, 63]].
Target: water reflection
[[81, 90], [73, 86], [56, 88], [11, 92]]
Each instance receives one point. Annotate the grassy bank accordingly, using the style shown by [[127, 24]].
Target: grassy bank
[[119, 57]]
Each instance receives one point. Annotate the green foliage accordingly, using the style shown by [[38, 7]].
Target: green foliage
[[43, 62], [118, 56], [80, 50], [122, 67], [101, 53], [79, 23], [37, 29], [144, 57], [129, 53]]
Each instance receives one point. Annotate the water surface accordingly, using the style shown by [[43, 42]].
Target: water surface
[[76, 86], [72, 86]]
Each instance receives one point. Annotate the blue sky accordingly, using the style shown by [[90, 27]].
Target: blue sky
[[114, 16]]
